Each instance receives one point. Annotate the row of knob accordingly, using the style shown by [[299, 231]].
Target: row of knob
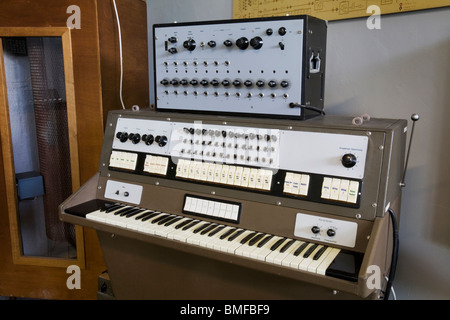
[[242, 42], [226, 83], [148, 139], [230, 134]]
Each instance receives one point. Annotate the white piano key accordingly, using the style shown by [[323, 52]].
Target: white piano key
[[306, 261], [271, 256], [207, 239], [245, 249], [298, 259], [262, 252], [236, 243], [175, 230], [312, 267], [322, 268], [280, 257], [183, 235], [134, 223], [217, 242], [287, 260]]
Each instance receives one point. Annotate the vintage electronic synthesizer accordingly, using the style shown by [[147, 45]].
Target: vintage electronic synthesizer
[[217, 207], [271, 67]]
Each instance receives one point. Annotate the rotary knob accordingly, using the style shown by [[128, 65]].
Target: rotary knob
[[256, 43], [315, 229], [122, 136], [242, 43], [134, 137], [148, 139], [161, 140], [348, 160], [189, 44]]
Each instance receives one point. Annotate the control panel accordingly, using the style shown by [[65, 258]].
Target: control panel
[[320, 165], [268, 67], [328, 167]]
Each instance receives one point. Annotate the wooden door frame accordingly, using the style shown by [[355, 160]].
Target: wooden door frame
[[6, 146]]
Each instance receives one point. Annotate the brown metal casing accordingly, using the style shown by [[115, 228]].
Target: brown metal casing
[[150, 267]]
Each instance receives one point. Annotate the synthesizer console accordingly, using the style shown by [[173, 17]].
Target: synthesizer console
[[232, 207]]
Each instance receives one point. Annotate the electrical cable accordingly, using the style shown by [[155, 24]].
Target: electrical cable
[[294, 105], [120, 52], [394, 255]]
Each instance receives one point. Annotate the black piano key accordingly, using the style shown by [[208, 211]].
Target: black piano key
[[319, 253], [200, 228], [162, 216], [182, 224], [235, 235], [300, 249], [144, 215], [112, 208], [132, 214], [151, 215], [216, 230], [126, 209], [256, 238], [226, 234], [167, 219], [129, 212], [248, 237], [172, 221], [208, 229], [287, 245], [264, 241], [190, 225], [277, 244], [310, 250]]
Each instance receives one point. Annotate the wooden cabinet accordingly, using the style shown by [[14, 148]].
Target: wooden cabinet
[[92, 67]]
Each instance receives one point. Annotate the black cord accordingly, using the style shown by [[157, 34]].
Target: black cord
[[298, 105], [394, 255]]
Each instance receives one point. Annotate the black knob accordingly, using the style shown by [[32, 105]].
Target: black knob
[[228, 43], [331, 232], [184, 82], [242, 43], [204, 82], [256, 43], [282, 31], [174, 82], [237, 83], [161, 140], [269, 31], [215, 82], [194, 82], [315, 229], [172, 50], [189, 44], [134, 137], [272, 84], [212, 43], [260, 83], [348, 160], [226, 83], [122, 136], [284, 84], [172, 39], [248, 83], [148, 139], [164, 82]]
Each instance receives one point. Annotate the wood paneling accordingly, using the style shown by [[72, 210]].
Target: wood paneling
[[96, 72]]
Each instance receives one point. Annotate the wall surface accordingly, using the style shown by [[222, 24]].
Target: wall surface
[[400, 69]]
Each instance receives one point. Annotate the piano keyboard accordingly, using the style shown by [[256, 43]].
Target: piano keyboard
[[291, 253]]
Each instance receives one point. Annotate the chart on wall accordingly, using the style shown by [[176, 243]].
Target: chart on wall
[[328, 9]]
